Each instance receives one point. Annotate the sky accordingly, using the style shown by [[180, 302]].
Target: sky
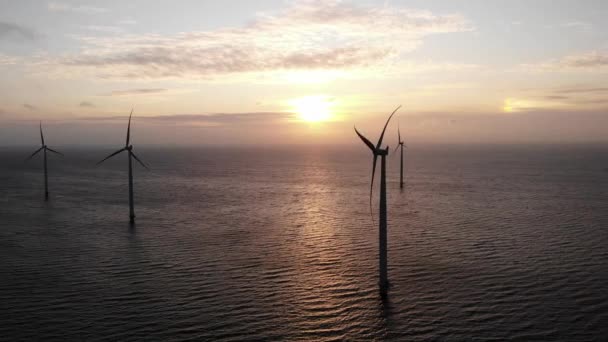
[[277, 72]]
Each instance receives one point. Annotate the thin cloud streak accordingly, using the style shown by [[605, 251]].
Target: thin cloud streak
[[7, 60], [29, 106], [584, 90], [596, 61], [129, 92], [63, 7], [254, 118], [579, 25], [11, 30]]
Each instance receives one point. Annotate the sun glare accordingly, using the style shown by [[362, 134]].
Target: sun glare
[[313, 108]]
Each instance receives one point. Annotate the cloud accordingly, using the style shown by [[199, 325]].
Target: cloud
[[29, 106], [104, 29], [10, 30], [579, 25], [583, 90], [128, 21], [7, 60], [62, 7], [309, 35], [214, 119], [142, 91], [589, 61], [556, 97], [574, 97], [86, 104]]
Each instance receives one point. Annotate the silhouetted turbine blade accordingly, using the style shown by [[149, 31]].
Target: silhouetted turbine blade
[[371, 188], [129, 128], [142, 163], [33, 154], [59, 153], [366, 141], [395, 150], [385, 125], [41, 136], [398, 135], [112, 155]]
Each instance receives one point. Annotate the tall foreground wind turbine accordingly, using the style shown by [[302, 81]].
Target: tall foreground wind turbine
[[44, 148], [378, 151], [129, 149], [401, 145]]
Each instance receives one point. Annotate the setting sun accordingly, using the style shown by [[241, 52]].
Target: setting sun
[[313, 108]]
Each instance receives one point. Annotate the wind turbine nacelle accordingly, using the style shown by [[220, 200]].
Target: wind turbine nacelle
[[381, 152]]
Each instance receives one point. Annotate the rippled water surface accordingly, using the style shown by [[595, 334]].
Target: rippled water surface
[[239, 244]]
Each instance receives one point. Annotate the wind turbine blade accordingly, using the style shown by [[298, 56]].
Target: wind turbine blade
[[111, 155], [41, 135], [129, 128], [142, 163], [394, 154], [385, 125], [59, 153], [371, 189], [366, 141], [398, 135], [33, 154]]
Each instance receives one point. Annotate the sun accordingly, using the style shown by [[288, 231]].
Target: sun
[[313, 108]]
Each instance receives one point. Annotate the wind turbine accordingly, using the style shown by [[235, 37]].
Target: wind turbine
[[129, 149], [378, 151], [44, 148], [402, 146]]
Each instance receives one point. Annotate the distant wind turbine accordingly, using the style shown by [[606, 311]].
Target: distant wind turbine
[[378, 151], [402, 146], [129, 149], [44, 148]]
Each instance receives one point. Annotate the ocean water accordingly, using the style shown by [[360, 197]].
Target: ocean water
[[232, 244]]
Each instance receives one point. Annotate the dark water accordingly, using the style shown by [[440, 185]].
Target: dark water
[[488, 243]]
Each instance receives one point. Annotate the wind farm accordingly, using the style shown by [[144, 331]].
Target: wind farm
[[44, 148], [241, 203], [130, 155]]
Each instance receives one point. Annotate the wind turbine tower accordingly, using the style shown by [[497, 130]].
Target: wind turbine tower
[[378, 151], [131, 154], [44, 148], [402, 146]]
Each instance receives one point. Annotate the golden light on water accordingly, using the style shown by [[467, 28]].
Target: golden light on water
[[313, 108]]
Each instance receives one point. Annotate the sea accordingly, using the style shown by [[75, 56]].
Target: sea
[[485, 243]]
